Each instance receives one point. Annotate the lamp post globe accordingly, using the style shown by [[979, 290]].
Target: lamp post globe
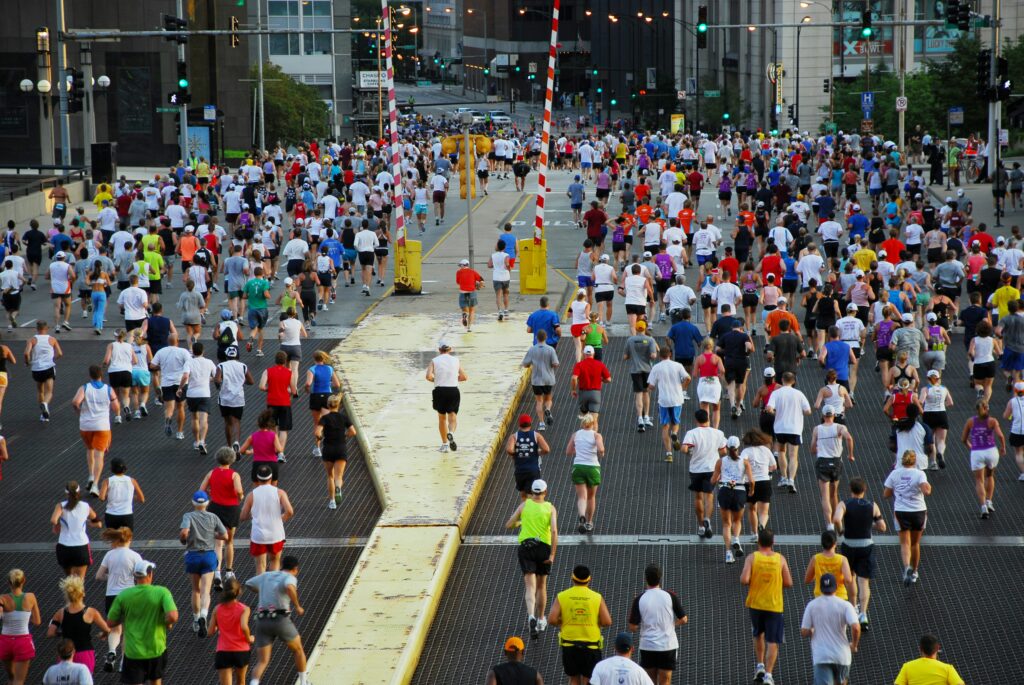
[[26, 85], [43, 86]]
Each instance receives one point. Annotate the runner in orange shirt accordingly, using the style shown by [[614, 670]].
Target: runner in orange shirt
[[469, 282], [685, 217]]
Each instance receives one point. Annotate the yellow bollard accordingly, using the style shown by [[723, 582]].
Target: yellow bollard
[[409, 268], [533, 271]]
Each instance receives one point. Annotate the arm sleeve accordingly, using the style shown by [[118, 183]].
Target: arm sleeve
[[677, 606]]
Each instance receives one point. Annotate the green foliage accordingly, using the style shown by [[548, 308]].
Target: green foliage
[[294, 110], [931, 91]]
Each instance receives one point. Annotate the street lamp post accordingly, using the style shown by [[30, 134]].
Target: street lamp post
[[467, 121], [796, 112], [43, 86], [471, 11]]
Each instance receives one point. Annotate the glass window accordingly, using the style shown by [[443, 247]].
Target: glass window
[[316, 8], [316, 44], [282, 8], [278, 45]]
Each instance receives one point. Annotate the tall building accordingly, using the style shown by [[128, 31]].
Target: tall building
[[133, 110], [321, 60]]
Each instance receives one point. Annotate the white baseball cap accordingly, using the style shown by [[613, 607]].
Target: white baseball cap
[[589, 349], [538, 486]]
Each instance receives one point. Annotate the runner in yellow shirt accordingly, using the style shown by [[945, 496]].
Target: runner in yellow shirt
[[928, 670], [829, 561], [580, 613], [766, 574]]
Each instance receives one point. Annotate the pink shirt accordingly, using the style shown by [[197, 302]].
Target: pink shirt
[[263, 446]]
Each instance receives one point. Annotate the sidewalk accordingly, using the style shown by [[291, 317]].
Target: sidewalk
[[427, 496]]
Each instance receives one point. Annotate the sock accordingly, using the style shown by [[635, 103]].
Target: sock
[[254, 681], [302, 678], [113, 641]]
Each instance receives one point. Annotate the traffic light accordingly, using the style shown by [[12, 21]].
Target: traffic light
[[614, 101], [983, 76], [487, 71], [725, 116], [866, 30], [1003, 83], [76, 89], [792, 112], [235, 39], [826, 86], [702, 26], [518, 68], [963, 19], [600, 90], [175, 24], [531, 77], [643, 91], [184, 96], [952, 13]]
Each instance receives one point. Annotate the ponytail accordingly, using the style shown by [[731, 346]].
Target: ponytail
[[74, 495]]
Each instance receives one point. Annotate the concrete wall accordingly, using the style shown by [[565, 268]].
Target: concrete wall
[[36, 205]]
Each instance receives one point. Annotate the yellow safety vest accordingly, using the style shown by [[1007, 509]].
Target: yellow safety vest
[[581, 607], [765, 591], [833, 565]]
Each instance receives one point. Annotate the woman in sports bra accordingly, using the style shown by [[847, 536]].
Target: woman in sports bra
[[941, 305], [74, 621], [750, 282], [710, 371], [900, 370], [983, 352], [16, 647]]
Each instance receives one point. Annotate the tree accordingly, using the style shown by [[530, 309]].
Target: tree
[[294, 111]]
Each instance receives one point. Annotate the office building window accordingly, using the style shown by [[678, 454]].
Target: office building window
[[285, 14]]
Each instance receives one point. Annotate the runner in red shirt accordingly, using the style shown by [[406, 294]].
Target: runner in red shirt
[[642, 191], [685, 217], [893, 247], [695, 182], [279, 382], [729, 265], [644, 213], [587, 378], [984, 240], [469, 282], [772, 264]]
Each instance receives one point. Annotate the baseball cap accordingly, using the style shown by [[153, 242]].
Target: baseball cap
[[143, 568], [289, 280], [828, 410], [443, 345], [1000, 240], [514, 644], [538, 486], [1019, 385], [859, 273], [463, 262], [581, 291], [856, 208], [907, 317], [851, 307], [931, 317], [882, 253], [828, 583], [641, 325], [225, 314], [190, 229], [647, 253], [589, 349], [623, 641], [60, 255], [934, 373], [733, 441], [525, 420], [769, 371], [605, 258], [959, 192], [783, 300], [200, 497], [949, 199]]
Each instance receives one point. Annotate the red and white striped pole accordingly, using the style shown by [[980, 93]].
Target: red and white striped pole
[[542, 173], [396, 163]]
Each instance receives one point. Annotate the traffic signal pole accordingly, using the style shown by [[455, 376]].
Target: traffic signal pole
[[183, 108], [995, 108], [62, 89]]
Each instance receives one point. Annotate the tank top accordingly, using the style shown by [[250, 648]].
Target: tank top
[[73, 627], [829, 444], [527, 456], [594, 337], [857, 522], [16, 622], [982, 436], [982, 350], [94, 412], [833, 565], [586, 448], [141, 358], [229, 625], [733, 471], [267, 526], [222, 487], [158, 329], [42, 353], [1017, 421], [579, 312], [884, 333], [584, 267], [263, 446], [765, 590], [666, 270], [120, 493], [446, 371], [771, 389], [514, 673], [322, 376], [835, 400], [707, 366], [899, 373], [749, 283], [72, 525], [838, 357], [120, 357], [288, 300], [580, 608], [935, 398], [895, 300], [279, 379], [900, 402], [936, 343], [535, 521]]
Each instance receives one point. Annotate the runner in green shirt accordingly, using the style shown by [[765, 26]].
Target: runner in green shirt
[[256, 291], [147, 612], [537, 521]]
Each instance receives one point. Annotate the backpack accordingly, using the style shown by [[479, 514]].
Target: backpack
[[226, 336]]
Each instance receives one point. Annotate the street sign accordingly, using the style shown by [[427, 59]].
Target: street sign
[[867, 126], [532, 67], [1004, 137], [370, 79], [680, 94], [652, 77], [691, 85], [166, 110], [867, 100], [901, 104], [956, 116], [712, 93], [209, 113], [779, 74]]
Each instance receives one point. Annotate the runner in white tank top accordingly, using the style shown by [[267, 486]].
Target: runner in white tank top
[[586, 447], [41, 354], [268, 507]]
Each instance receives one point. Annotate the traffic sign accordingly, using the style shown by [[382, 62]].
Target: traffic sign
[[867, 100], [209, 113], [680, 94], [691, 85], [166, 110], [901, 104], [712, 93], [532, 67], [867, 126], [956, 116]]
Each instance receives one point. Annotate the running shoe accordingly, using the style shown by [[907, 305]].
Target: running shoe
[[648, 422], [179, 436], [218, 583], [791, 485], [907, 573], [465, 319], [45, 408], [137, 415], [281, 459], [157, 401], [864, 623], [984, 512], [66, 325], [991, 509], [108, 663], [582, 525], [913, 576], [534, 633], [768, 679], [317, 452], [729, 559], [337, 494], [195, 624], [117, 418], [708, 532], [640, 427], [783, 482], [259, 353], [202, 627], [759, 673], [668, 457], [168, 430], [501, 317], [451, 441], [676, 445], [737, 550], [143, 410], [549, 419], [331, 504], [542, 624], [127, 412], [195, 446], [228, 575], [590, 526], [236, 447], [700, 531], [88, 484], [541, 427], [202, 448], [443, 448], [94, 490]]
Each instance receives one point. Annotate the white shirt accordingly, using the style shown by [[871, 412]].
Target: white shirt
[[446, 371], [11, 280], [652, 233], [296, 248], [120, 493], [810, 266], [829, 617], [120, 565], [680, 297], [635, 287], [200, 372], [232, 385], [703, 241], [618, 670], [906, 486], [171, 361], [177, 215], [94, 412], [499, 265], [705, 443], [365, 241], [134, 300], [330, 204], [438, 183], [108, 219], [668, 376], [60, 277], [762, 461], [850, 330], [603, 274], [790, 405], [119, 240], [656, 612], [291, 332], [727, 293], [830, 230], [675, 202], [120, 357], [267, 526]]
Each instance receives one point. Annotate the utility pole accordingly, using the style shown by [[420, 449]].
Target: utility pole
[[183, 108], [261, 132], [995, 105], [88, 111], [467, 120], [902, 62], [62, 89]]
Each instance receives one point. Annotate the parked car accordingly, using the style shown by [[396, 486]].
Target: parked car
[[500, 118]]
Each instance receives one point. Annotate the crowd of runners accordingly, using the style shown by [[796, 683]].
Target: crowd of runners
[[838, 230]]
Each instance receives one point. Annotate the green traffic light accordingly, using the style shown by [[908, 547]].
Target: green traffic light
[[725, 116], [594, 72], [487, 72], [866, 32], [702, 28], [600, 90], [614, 102], [183, 83]]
